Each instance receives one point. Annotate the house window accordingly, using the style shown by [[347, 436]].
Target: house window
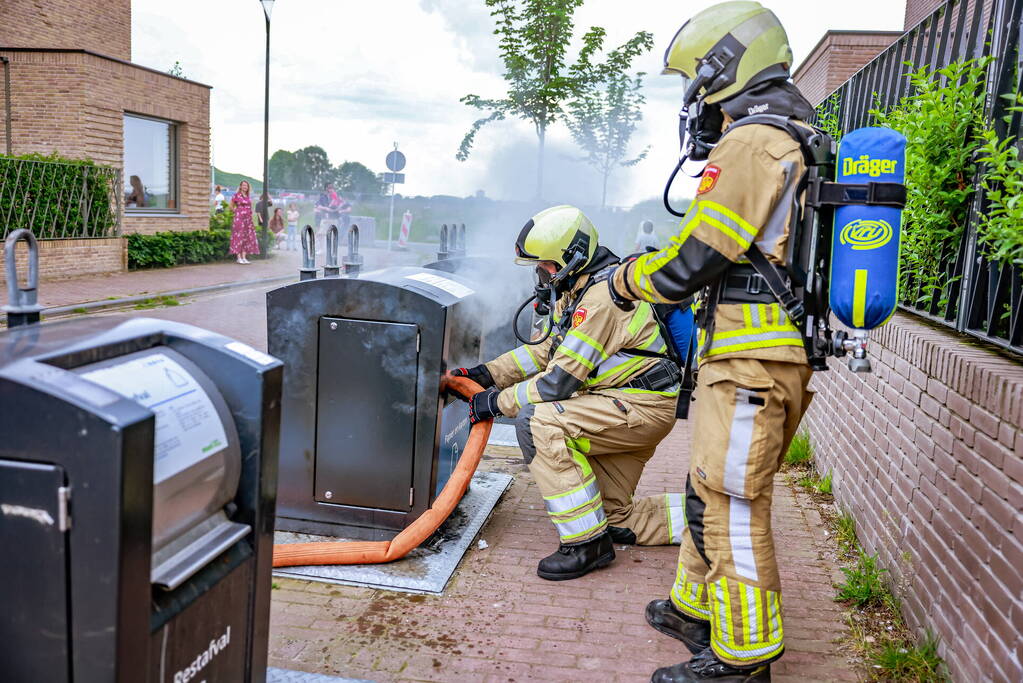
[[150, 164]]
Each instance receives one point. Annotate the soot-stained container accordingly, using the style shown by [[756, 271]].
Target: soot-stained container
[[368, 438]]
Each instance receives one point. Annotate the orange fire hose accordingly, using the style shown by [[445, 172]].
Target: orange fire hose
[[375, 552]]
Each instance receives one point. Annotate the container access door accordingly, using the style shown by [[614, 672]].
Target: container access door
[[33, 522], [368, 373]]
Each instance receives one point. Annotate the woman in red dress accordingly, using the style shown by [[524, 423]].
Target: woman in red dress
[[243, 234]]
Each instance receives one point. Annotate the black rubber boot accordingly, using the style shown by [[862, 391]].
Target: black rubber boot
[[573, 561], [621, 535], [704, 666], [666, 618]]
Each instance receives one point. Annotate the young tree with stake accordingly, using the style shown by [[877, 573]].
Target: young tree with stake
[[603, 114], [534, 35]]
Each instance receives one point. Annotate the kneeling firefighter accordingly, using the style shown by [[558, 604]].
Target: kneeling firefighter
[[725, 604], [591, 400]]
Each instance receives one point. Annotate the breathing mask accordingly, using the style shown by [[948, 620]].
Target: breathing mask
[[699, 129], [546, 290]]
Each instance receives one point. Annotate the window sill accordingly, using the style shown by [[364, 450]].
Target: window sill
[[155, 214]]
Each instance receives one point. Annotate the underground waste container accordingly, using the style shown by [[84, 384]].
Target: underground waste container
[[137, 479], [368, 439]]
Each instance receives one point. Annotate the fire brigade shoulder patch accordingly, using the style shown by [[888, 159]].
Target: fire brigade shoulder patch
[[578, 317], [709, 179]]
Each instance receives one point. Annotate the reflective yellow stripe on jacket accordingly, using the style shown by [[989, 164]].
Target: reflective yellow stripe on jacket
[[763, 326]]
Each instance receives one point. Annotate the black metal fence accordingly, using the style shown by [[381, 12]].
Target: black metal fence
[[980, 297], [59, 200]]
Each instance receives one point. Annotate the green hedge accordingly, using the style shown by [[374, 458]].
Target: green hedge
[[166, 249], [56, 197]]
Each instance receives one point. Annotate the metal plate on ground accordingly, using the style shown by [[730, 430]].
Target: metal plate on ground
[[503, 435], [427, 568], [275, 675]]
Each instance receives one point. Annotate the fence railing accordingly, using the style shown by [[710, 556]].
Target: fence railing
[[980, 297], [59, 200]]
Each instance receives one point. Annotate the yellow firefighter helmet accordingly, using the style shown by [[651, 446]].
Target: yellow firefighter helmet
[[728, 48], [556, 234]]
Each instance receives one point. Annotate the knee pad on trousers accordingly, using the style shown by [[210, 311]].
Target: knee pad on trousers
[[694, 518], [524, 434]]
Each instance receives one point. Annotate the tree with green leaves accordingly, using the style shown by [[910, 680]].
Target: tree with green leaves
[[534, 37], [283, 171], [603, 114], [313, 168], [351, 177]]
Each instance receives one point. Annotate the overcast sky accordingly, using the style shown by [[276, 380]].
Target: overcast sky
[[356, 77]]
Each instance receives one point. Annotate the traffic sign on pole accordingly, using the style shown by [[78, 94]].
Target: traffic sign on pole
[[395, 161]]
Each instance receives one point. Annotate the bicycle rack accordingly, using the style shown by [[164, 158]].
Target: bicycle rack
[[353, 259], [308, 270], [330, 267], [22, 302]]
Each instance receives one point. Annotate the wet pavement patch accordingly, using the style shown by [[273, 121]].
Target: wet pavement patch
[[426, 569]]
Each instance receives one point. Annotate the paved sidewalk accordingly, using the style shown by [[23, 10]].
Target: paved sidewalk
[[73, 291], [497, 621]]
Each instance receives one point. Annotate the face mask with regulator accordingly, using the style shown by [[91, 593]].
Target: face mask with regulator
[[699, 123], [546, 291]]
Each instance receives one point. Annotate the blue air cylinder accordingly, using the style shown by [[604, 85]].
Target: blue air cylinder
[[682, 331], [865, 244]]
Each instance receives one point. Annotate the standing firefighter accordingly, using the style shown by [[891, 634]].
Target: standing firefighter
[[725, 604], [591, 401]]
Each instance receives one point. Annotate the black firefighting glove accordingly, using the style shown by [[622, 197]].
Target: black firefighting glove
[[483, 406], [478, 374]]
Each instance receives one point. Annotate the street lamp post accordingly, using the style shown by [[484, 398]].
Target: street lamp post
[[268, 6]]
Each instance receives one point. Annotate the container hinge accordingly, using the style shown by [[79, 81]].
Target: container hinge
[[411, 496], [63, 504]]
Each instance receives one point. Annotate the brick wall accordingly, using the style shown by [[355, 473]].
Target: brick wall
[[74, 103], [100, 26], [838, 55], [60, 259], [927, 456]]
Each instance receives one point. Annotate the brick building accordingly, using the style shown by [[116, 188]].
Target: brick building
[[74, 91], [837, 56], [840, 54]]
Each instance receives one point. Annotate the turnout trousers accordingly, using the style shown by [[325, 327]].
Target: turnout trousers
[[587, 453], [746, 412]]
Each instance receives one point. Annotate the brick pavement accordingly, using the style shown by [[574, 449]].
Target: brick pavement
[[497, 621]]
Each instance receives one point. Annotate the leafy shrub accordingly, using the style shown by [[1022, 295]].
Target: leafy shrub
[[941, 120], [222, 220], [57, 197], [166, 249], [998, 228]]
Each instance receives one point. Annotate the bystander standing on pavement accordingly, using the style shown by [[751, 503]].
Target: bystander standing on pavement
[[292, 231], [218, 200], [326, 212], [277, 227], [243, 233], [344, 210], [646, 239]]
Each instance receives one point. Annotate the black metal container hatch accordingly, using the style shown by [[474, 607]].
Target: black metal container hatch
[[368, 439]]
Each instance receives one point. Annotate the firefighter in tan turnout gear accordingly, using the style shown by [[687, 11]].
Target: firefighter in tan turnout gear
[[590, 402], [725, 604]]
